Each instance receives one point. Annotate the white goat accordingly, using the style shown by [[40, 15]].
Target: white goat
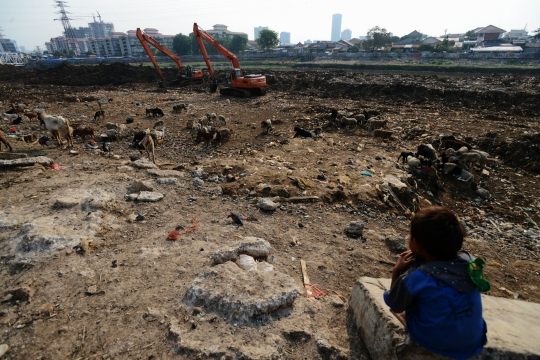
[[58, 126]]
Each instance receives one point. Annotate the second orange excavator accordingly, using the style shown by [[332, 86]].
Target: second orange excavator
[[236, 83], [184, 73]]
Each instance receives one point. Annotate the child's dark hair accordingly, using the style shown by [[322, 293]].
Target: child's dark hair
[[438, 231]]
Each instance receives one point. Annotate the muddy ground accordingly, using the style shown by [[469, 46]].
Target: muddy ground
[[121, 295]]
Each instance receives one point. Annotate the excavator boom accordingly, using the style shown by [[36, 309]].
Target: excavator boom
[[145, 40], [239, 84]]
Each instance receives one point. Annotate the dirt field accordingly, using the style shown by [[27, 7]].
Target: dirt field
[[88, 278]]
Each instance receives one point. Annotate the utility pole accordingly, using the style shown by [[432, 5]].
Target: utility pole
[[68, 30]]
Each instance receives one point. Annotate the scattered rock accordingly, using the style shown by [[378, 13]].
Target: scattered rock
[[139, 185], [4, 348], [483, 193], [236, 294], [354, 228], [66, 203], [165, 173], [397, 245], [200, 173], [144, 164], [93, 290], [267, 204], [197, 182], [148, 196], [167, 181], [62, 329], [263, 189], [252, 246], [125, 169], [42, 160], [485, 173]]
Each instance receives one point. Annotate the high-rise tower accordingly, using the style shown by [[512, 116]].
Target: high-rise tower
[[336, 27]]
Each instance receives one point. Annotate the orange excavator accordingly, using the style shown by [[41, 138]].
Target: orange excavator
[[184, 73], [236, 83]]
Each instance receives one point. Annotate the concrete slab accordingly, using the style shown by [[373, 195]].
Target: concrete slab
[[513, 326]]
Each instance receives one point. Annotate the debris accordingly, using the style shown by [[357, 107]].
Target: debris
[[366, 173], [174, 234], [267, 205], [354, 228], [237, 219]]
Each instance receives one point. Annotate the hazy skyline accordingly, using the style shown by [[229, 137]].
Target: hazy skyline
[[31, 24]]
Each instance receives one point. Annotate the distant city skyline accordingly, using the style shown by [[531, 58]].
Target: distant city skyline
[[336, 27], [31, 22]]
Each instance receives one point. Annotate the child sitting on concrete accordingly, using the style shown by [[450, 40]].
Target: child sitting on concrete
[[438, 296]]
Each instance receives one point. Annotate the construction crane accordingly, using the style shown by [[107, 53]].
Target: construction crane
[[236, 83], [184, 73]]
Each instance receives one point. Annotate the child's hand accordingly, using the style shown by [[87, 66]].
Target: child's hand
[[405, 259]]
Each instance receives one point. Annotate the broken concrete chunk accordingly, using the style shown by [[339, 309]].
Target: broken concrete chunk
[[148, 196], [165, 173], [267, 204], [144, 164], [167, 181], [397, 245], [198, 182], [252, 246], [355, 228], [139, 185], [66, 203]]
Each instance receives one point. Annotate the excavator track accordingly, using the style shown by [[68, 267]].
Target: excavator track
[[244, 93]]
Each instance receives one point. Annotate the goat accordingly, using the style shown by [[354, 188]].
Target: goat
[[361, 119], [148, 144], [373, 124], [210, 136], [130, 120], [458, 171], [180, 107], [31, 115], [266, 125], [58, 126], [444, 138], [196, 128], [112, 134], [349, 122], [404, 155], [299, 132], [414, 162], [211, 117], [223, 119], [159, 123], [90, 106], [30, 138], [149, 112], [17, 121], [157, 112], [454, 144], [158, 135], [467, 159], [83, 132], [99, 114], [4, 140], [226, 133], [383, 134], [10, 116], [15, 109], [137, 138], [427, 151]]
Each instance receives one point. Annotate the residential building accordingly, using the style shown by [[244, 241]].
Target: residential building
[[336, 27], [101, 29], [22, 48], [489, 36], [133, 46], [517, 34], [83, 32], [258, 30], [414, 36], [346, 34], [7, 45], [308, 41], [285, 38], [221, 31], [431, 41]]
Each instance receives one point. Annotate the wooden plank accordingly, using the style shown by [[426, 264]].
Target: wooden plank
[[305, 276]]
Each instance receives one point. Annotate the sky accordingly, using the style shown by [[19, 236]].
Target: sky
[[31, 22]]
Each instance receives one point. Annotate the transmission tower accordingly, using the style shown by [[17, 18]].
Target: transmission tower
[[68, 30]]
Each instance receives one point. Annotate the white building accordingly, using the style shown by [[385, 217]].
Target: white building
[[258, 30], [221, 31], [285, 38], [336, 27], [346, 34]]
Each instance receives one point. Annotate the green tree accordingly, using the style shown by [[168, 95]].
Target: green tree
[[194, 45], [537, 35], [238, 44], [268, 39], [355, 49], [425, 47], [376, 38], [395, 39], [182, 44], [470, 35]]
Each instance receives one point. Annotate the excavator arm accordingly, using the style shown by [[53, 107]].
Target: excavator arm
[[200, 33], [145, 40]]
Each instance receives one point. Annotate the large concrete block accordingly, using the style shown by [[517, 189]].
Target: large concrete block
[[513, 326]]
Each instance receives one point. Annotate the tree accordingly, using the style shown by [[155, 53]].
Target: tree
[[238, 44], [194, 45], [425, 47], [181, 44], [537, 35], [355, 49], [376, 38], [470, 35], [395, 39], [268, 39]]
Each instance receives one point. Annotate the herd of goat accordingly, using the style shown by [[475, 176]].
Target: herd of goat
[[456, 157]]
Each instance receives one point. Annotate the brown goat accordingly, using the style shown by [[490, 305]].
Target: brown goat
[[383, 134], [4, 140], [83, 132], [454, 144], [213, 135], [31, 115], [148, 143]]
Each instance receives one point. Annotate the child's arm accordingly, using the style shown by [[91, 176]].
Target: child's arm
[[405, 259]]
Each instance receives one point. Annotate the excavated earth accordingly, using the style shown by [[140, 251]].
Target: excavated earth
[[87, 273]]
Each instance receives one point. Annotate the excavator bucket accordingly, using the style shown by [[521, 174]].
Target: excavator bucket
[[213, 87]]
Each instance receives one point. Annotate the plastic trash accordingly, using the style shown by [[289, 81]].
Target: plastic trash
[[247, 263], [366, 173]]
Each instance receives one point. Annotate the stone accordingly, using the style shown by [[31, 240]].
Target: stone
[[512, 326], [397, 245], [217, 190], [42, 160], [66, 203], [131, 197], [165, 173], [4, 348], [238, 295], [100, 200], [62, 329], [200, 173], [197, 182], [337, 302], [43, 242], [124, 169], [267, 204], [149, 196], [263, 188], [139, 185], [355, 228], [252, 246], [92, 290], [485, 173], [167, 181], [483, 193], [144, 164]]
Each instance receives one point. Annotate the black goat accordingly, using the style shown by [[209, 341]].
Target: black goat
[[304, 133], [404, 155]]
